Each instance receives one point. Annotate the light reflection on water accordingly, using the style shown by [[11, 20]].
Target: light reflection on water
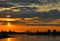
[[32, 38]]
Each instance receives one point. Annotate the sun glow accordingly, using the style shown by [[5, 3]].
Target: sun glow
[[8, 39], [8, 16], [8, 19], [9, 25]]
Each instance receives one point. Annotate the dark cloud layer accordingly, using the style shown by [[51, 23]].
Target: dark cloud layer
[[25, 2], [31, 13], [4, 4], [28, 12]]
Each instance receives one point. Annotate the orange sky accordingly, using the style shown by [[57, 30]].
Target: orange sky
[[22, 28]]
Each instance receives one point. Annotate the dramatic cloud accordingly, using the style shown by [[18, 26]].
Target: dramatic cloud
[[30, 9], [4, 4]]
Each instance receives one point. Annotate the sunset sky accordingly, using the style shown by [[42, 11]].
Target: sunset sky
[[16, 14]]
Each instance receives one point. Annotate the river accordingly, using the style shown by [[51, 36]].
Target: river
[[32, 38]]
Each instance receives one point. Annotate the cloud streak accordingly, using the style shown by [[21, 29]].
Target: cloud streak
[[30, 9]]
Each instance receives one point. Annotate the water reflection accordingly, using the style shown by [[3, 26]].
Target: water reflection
[[32, 38]]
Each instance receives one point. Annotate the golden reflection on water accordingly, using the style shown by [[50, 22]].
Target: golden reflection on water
[[18, 38], [32, 38]]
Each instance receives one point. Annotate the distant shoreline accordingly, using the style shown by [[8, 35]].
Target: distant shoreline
[[42, 24]]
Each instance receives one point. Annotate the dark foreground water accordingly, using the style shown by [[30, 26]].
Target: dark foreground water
[[32, 38]]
